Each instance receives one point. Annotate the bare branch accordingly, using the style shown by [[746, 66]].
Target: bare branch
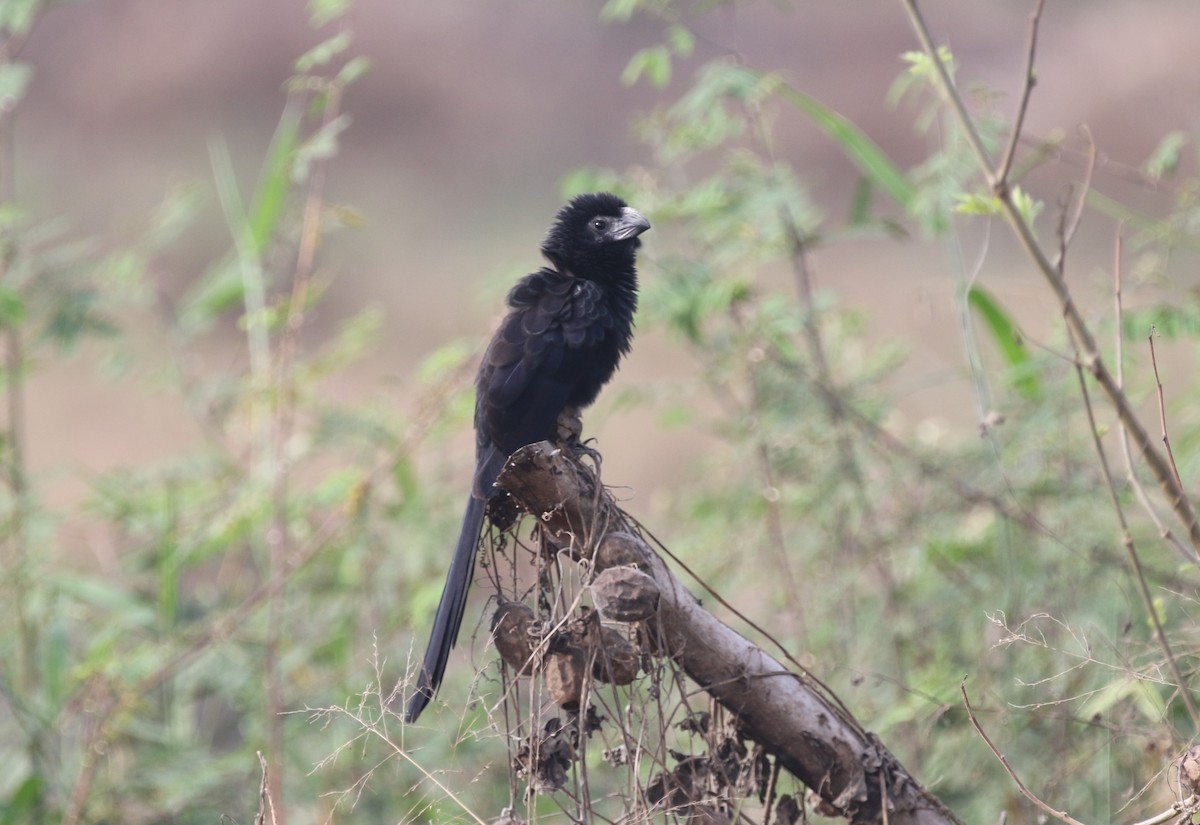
[[1081, 201], [1061, 816], [1162, 409], [1164, 531], [1026, 91], [266, 807]]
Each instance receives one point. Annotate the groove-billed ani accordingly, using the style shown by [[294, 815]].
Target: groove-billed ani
[[568, 325]]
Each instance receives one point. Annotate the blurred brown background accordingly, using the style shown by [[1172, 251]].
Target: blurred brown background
[[463, 130]]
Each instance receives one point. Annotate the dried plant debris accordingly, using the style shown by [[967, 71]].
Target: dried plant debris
[[546, 763], [697, 722], [616, 661], [1189, 771], [708, 815], [788, 811], [616, 757], [515, 631], [564, 673]]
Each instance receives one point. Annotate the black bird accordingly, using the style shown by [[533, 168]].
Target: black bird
[[568, 325]]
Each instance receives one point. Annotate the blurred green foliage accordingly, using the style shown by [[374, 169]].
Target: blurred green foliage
[[250, 576]]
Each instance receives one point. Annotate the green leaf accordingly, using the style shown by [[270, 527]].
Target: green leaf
[[860, 204], [125, 609], [323, 52], [1165, 159], [75, 314], [1008, 339], [1140, 694], [968, 203], [321, 145], [18, 16], [14, 80], [680, 40], [219, 291], [12, 307], [654, 62], [23, 804], [618, 11], [354, 69], [1171, 321], [860, 149], [1027, 205], [276, 183], [321, 12], [920, 65]]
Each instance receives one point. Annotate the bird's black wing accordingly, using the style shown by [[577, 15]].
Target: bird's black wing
[[534, 366]]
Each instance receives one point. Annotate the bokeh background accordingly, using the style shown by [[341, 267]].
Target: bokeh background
[[464, 133], [472, 116]]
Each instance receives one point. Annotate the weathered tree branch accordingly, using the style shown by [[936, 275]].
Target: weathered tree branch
[[851, 772]]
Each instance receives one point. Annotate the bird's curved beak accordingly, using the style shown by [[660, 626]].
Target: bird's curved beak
[[629, 225]]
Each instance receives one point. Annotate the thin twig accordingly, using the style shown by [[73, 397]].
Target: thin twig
[[1026, 91], [1061, 816], [1090, 354], [266, 805], [1143, 498], [1073, 222], [1162, 408]]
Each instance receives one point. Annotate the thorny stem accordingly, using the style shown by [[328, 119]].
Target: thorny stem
[[1089, 352]]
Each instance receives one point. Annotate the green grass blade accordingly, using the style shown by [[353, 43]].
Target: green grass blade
[[1008, 339], [276, 184], [860, 149]]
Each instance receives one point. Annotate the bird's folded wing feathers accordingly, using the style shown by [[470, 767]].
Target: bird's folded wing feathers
[[527, 372]]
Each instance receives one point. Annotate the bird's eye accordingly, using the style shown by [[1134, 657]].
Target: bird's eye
[[599, 224]]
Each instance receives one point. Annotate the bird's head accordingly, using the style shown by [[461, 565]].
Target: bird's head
[[595, 236]]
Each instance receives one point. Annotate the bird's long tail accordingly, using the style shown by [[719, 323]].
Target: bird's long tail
[[450, 609]]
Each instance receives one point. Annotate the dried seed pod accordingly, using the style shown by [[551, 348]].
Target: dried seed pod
[[511, 626], [564, 677], [619, 550], [616, 660], [623, 594]]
